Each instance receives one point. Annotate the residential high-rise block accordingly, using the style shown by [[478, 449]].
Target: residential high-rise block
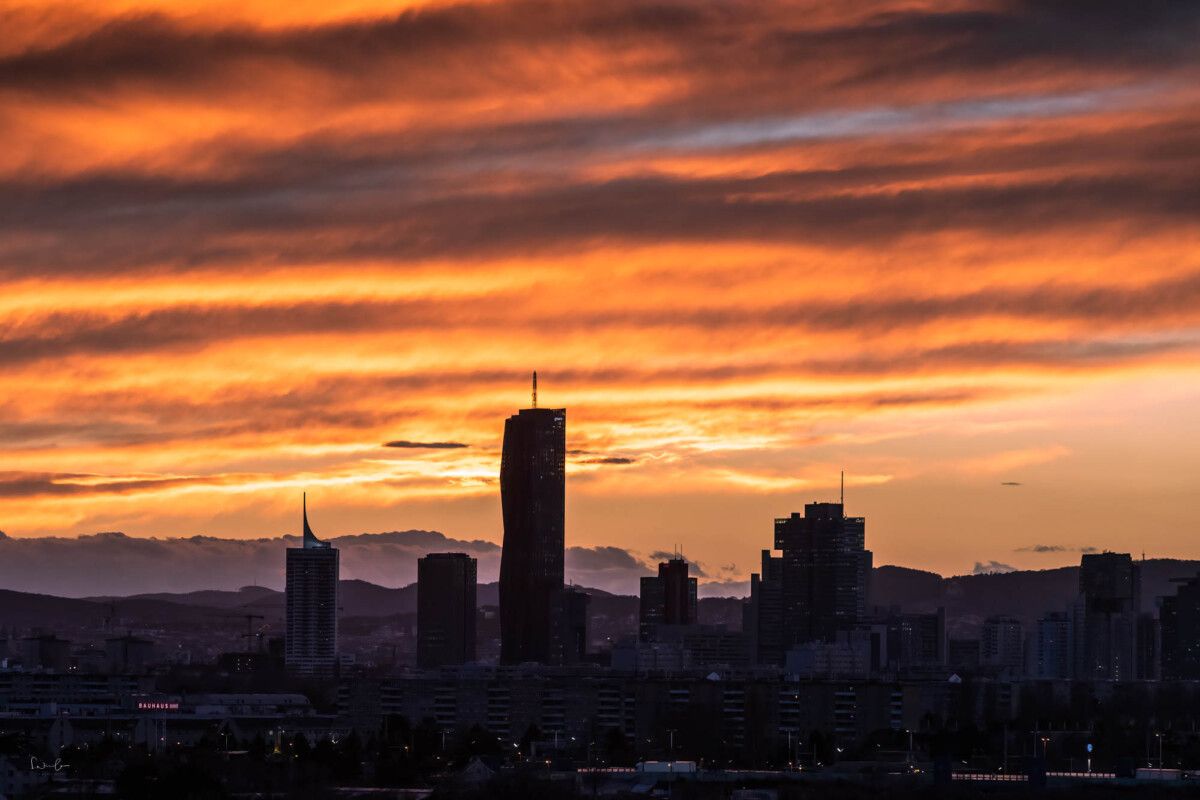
[[1054, 646], [917, 640], [311, 645], [1106, 617], [46, 652], [446, 586], [533, 498], [1179, 619], [1002, 644]]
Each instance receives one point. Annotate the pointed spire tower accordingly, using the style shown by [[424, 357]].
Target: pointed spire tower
[[311, 542], [311, 597]]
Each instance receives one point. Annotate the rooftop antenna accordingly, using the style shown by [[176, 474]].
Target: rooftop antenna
[[842, 498], [535, 388]]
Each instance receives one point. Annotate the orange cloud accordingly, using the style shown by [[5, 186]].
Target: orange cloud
[[747, 246]]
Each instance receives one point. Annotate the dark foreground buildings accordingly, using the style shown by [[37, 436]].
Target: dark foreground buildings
[[311, 646], [533, 497], [445, 609]]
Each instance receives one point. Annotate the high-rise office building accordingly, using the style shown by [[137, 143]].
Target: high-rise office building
[[311, 645], [1179, 618], [668, 598], [651, 606], [1106, 617], [826, 570], [446, 585], [1002, 644], [533, 498], [815, 588], [762, 613]]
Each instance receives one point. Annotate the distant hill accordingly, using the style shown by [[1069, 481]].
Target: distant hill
[[22, 609], [1025, 594], [213, 598], [27, 610], [905, 587], [968, 600]]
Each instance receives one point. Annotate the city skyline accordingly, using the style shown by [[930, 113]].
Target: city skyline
[[248, 251], [624, 565], [755, 398]]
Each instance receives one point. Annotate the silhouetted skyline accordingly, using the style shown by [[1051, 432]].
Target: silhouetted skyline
[[955, 260]]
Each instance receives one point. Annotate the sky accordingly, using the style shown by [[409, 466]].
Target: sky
[[951, 248]]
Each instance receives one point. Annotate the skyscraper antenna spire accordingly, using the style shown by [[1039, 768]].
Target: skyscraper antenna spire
[[535, 388], [842, 493], [309, 538]]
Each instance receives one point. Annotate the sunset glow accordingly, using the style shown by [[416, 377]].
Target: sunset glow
[[940, 246]]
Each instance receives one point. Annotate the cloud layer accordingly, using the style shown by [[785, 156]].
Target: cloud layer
[[247, 251], [116, 564]]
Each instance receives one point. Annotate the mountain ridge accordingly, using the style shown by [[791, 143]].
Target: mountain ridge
[[967, 599]]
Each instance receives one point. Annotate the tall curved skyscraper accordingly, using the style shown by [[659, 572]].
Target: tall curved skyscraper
[[533, 496]]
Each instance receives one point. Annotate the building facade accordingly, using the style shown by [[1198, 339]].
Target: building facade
[[311, 643], [1002, 644], [826, 570], [446, 586], [1054, 646], [670, 598], [1106, 617], [533, 498], [1179, 617]]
